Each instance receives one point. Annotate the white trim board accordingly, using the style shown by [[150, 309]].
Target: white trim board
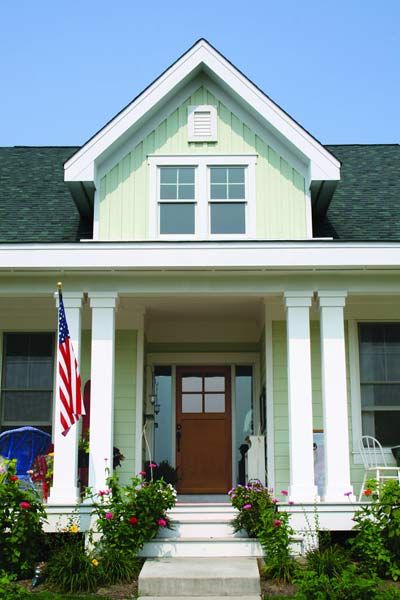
[[202, 56]]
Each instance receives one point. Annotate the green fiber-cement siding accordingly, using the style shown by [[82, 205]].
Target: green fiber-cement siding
[[124, 190], [124, 394], [281, 417]]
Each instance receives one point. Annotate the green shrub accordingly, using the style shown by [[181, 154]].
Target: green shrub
[[377, 544], [118, 567], [21, 517], [71, 568], [129, 516], [329, 561], [349, 585], [250, 500], [10, 590]]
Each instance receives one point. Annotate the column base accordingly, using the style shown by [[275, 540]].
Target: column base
[[61, 496], [344, 494], [302, 493]]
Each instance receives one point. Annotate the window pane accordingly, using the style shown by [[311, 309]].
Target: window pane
[[168, 174], [192, 383], [214, 403], [186, 175], [218, 174], [387, 427], [236, 191], [228, 217], [236, 175], [163, 421], [372, 366], [27, 407], [168, 192], [380, 395], [219, 192], [186, 192], [177, 218], [16, 372], [192, 403], [214, 383]]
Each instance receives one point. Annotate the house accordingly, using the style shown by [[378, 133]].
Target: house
[[225, 275]]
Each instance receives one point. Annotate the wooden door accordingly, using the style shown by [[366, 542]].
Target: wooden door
[[203, 430]]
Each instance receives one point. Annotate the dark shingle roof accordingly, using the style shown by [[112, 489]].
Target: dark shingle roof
[[35, 203], [366, 202]]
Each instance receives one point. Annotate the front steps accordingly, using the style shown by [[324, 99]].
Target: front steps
[[208, 578], [202, 530]]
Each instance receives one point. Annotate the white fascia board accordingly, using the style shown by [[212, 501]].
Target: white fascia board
[[247, 255], [324, 165]]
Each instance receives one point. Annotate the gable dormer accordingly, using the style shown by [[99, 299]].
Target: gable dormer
[[203, 154]]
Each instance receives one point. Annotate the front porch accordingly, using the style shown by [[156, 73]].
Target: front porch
[[291, 365]]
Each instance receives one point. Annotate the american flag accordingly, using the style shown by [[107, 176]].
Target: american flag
[[71, 405]]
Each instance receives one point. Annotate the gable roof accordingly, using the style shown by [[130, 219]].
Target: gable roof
[[35, 203], [202, 56], [366, 203]]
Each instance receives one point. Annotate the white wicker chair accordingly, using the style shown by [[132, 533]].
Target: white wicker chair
[[374, 461]]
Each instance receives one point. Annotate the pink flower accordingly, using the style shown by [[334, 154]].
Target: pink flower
[[104, 492], [247, 506], [162, 522], [153, 465], [274, 501], [142, 473], [24, 505], [291, 502], [347, 494], [277, 523], [109, 515], [284, 492]]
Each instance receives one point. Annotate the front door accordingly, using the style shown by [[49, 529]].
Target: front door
[[203, 430]]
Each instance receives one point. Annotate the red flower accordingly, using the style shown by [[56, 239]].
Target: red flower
[[133, 520], [367, 492], [277, 523], [13, 478], [143, 473], [162, 522], [24, 505]]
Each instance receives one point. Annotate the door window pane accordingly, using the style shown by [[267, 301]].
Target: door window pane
[[192, 403], [214, 403], [177, 218], [214, 383], [243, 413], [228, 217], [163, 420], [192, 383]]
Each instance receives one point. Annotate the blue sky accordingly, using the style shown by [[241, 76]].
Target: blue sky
[[67, 67]]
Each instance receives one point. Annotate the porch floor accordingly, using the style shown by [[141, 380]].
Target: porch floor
[[203, 499]]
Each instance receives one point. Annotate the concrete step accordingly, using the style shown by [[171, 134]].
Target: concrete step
[[199, 577], [258, 597], [200, 547], [198, 527]]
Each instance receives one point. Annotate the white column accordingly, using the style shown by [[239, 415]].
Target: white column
[[302, 487], [65, 467], [334, 396], [139, 390], [102, 388]]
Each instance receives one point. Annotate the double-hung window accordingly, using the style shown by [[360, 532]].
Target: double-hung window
[[27, 381], [379, 347], [202, 197]]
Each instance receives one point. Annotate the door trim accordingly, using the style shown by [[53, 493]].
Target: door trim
[[210, 358]]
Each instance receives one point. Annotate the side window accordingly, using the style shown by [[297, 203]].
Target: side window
[[27, 380], [227, 200], [380, 381], [177, 201]]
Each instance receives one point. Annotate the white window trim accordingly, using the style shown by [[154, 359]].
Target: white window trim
[[201, 162], [213, 117], [355, 390]]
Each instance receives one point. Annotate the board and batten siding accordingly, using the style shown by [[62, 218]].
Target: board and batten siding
[[280, 189], [124, 394], [281, 416]]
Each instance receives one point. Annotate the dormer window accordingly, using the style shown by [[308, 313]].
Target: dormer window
[[202, 123], [202, 197]]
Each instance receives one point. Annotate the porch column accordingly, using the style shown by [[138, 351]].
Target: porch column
[[65, 466], [302, 487], [102, 388], [334, 396]]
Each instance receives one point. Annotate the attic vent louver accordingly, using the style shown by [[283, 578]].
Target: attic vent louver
[[202, 123]]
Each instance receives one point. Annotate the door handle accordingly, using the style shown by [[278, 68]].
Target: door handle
[[178, 437]]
